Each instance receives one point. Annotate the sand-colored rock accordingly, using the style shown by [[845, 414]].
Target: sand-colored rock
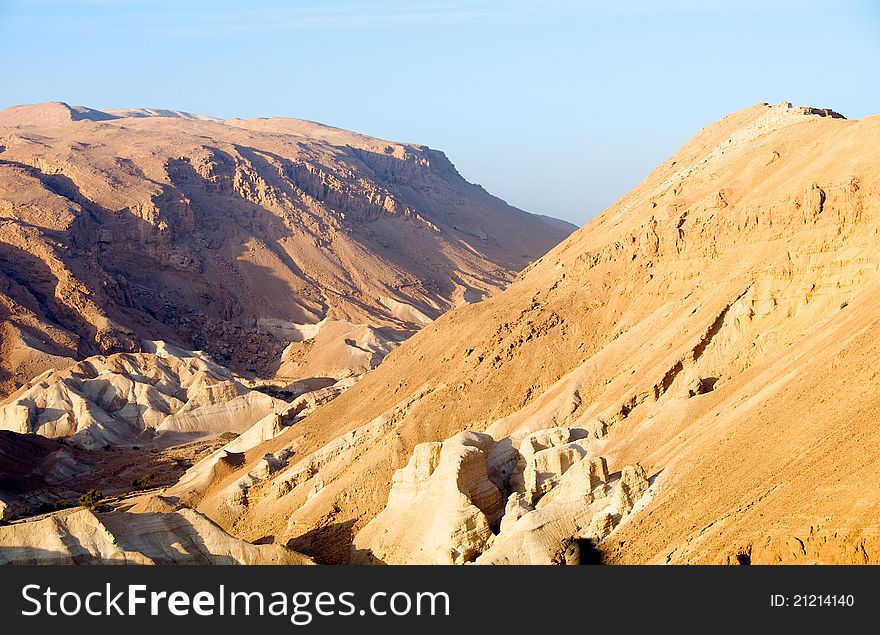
[[441, 507], [144, 223], [584, 504], [716, 326], [83, 537]]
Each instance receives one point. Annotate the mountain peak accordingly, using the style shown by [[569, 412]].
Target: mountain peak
[[50, 113], [807, 110]]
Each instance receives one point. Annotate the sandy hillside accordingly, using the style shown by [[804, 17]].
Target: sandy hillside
[[691, 377]]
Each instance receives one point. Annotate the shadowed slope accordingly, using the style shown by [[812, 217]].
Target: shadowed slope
[[229, 236]]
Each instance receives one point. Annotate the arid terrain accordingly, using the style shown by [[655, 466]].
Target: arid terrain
[[169, 280], [689, 378], [256, 241]]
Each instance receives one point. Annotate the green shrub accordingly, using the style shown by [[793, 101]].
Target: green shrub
[[144, 482], [91, 499], [47, 507]]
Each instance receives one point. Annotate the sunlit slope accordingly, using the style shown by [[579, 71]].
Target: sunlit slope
[[714, 326]]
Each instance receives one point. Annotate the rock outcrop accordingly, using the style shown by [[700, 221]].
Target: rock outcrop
[[444, 508], [441, 507]]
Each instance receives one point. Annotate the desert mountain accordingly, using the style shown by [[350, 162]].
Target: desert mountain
[[691, 377], [277, 246]]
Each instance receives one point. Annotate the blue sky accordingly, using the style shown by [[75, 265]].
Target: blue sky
[[559, 107]]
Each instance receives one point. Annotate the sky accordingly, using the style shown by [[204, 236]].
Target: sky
[[559, 107]]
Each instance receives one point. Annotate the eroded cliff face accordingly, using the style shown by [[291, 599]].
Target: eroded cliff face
[[715, 330], [558, 494], [228, 236]]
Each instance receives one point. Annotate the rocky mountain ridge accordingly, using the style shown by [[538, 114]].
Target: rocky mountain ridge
[[143, 224]]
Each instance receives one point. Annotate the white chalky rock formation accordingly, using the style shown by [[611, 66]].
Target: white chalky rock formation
[[83, 537], [576, 500], [133, 397], [444, 507], [441, 508]]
